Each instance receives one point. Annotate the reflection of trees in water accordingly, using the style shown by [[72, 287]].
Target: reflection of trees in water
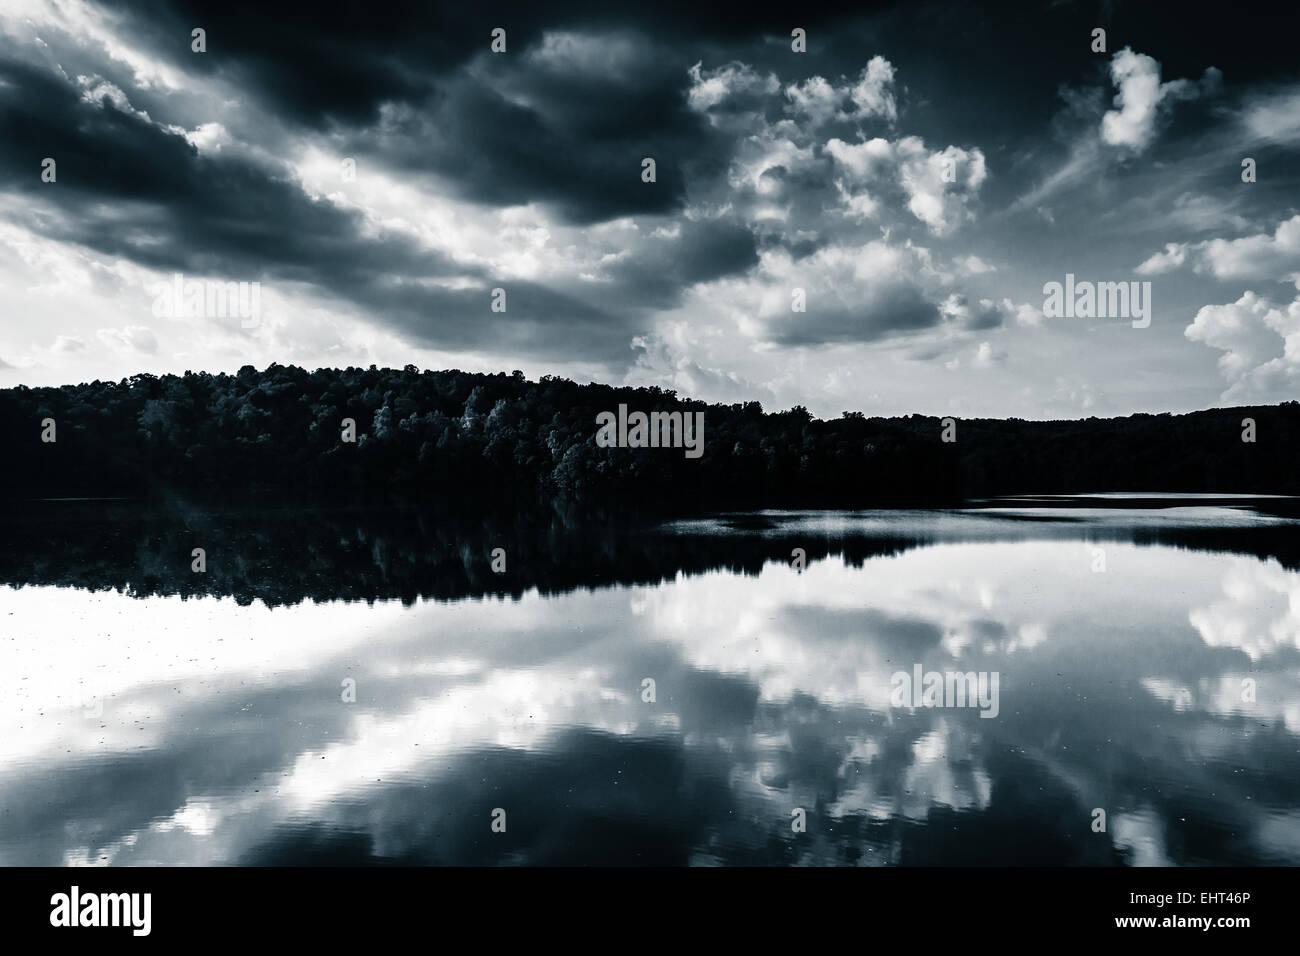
[[284, 556], [287, 556], [1279, 541]]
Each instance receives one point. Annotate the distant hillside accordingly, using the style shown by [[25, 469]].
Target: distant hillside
[[462, 436]]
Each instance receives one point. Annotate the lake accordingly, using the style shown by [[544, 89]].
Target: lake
[[362, 687]]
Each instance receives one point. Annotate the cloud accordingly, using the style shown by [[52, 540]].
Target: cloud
[[1251, 332], [1027, 315], [815, 99], [1173, 256], [1258, 612], [566, 125], [520, 171], [831, 172], [982, 314], [972, 265], [796, 158], [986, 356], [940, 186], [1202, 213], [559, 130], [926, 178], [1075, 392], [1129, 128], [852, 294], [736, 85], [665, 359], [129, 188], [1258, 256], [68, 343], [667, 264], [1141, 96], [1253, 257], [871, 96], [863, 161], [1273, 117], [136, 338]]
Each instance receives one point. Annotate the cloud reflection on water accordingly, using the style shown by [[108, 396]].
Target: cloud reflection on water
[[223, 737]]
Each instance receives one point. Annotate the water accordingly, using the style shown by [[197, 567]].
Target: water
[[154, 715]]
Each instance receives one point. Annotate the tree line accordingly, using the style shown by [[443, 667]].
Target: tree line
[[463, 436]]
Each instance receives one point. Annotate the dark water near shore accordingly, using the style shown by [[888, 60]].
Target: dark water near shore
[[1147, 656]]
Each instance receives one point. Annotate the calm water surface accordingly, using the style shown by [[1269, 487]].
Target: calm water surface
[[1148, 662]]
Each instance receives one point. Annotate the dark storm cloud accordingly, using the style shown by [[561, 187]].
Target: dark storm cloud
[[888, 309], [565, 128], [338, 61], [536, 318], [127, 188], [494, 151], [100, 152], [313, 64], [701, 251], [173, 207], [563, 120], [576, 144]]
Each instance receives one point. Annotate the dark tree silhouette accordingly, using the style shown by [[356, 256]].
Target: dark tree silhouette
[[467, 437]]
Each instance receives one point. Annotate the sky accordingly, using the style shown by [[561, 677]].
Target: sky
[[915, 177]]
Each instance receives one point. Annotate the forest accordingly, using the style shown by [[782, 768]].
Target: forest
[[280, 435]]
